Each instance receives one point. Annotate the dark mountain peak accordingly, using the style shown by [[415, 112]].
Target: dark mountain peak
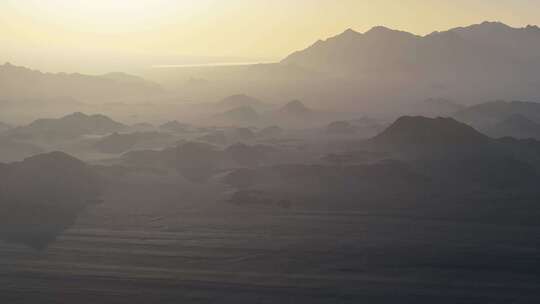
[[76, 115], [54, 185], [486, 25], [418, 130], [346, 36], [295, 107], [350, 33], [382, 31], [55, 157], [82, 117], [494, 25]]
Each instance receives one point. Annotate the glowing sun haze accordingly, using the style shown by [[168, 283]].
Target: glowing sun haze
[[102, 35]]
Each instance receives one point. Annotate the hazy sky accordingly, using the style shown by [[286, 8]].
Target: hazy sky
[[99, 35]]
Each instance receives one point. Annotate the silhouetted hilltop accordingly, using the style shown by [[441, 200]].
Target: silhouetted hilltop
[[420, 131], [295, 108], [42, 195], [69, 126], [22, 83]]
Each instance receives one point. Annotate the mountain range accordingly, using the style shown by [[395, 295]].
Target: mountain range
[[498, 61], [20, 83], [385, 70], [382, 50]]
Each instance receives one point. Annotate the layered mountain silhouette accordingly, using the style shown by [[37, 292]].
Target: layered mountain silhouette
[[428, 162], [22, 83], [454, 153], [69, 126], [42, 196]]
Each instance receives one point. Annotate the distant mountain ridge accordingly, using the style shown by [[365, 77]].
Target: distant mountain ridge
[[517, 126], [388, 50], [487, 114], [18, 82], [295, 108]]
